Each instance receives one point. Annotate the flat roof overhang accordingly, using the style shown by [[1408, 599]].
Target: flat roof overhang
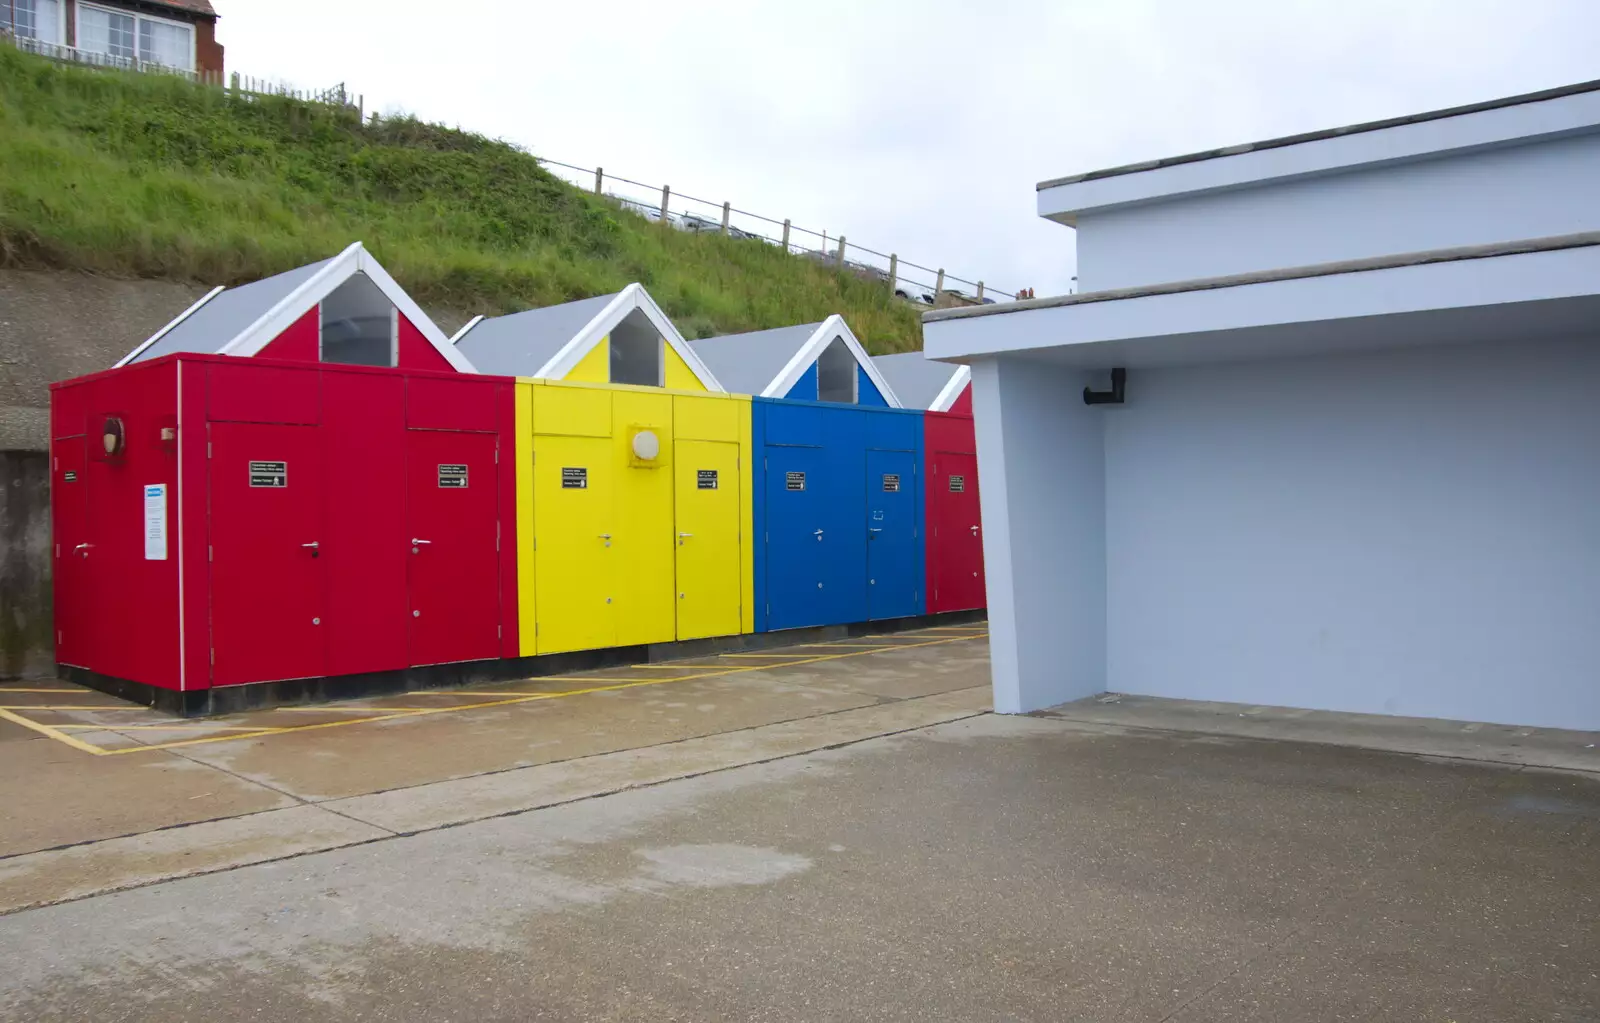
[[1516, 120], [1543, 288]]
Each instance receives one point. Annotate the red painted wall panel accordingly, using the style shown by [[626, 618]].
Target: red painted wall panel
[[194, 670], [506, 410], [416, 352], [244, 391], [132, 600], [962, 406], [954, 548], [464, 403], [365, 540], [301, 341]]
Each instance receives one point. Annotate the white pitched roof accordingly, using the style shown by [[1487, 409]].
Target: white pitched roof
[[792, 350], [244, 320], [549, 342]]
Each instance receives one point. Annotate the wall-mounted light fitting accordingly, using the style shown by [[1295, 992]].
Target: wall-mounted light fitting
[[112, 436], [1119, 381]]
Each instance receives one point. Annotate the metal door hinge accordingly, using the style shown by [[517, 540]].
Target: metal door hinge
[[211, 554], [497, 454], [208, 449], [213, 657], [499, 632]]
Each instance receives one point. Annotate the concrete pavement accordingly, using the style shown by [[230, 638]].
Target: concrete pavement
[[982, 869]]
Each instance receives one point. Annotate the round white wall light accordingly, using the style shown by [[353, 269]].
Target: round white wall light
[[646, 445]]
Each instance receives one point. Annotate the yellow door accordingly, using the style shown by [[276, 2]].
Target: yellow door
[[643, 517], [574, 526], [707, 493]]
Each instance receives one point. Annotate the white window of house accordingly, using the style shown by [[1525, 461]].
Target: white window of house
[[35, 19], [130, 36]]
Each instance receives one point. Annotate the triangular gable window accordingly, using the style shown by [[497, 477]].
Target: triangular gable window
[[836, 373], [359, 325], [636, 351]]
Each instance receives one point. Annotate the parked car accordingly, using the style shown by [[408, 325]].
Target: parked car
[[913, 293], [696, 223]]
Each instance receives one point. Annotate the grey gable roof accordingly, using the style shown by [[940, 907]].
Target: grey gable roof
[[747, 363], [521, 343], [222, 319], [915, 379]]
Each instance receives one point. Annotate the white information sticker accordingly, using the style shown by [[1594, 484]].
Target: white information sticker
[[155, 522]]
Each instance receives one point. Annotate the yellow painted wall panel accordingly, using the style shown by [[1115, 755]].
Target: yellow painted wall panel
[[577, 570], [646, 592], [748, 481], [709, 418], [678, 375], [571, 411], [595, 367], [706, 492]]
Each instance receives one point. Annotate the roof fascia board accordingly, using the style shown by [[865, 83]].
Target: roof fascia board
[[952, 389], [634, 296], [1257, 164], [397, 296], [1514, 278], [294, 305], [158, 335], [570, 354], [833, 326], [354, 259], [455, 339], [669, 330]]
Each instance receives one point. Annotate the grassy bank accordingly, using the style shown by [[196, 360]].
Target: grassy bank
[[150, 176]]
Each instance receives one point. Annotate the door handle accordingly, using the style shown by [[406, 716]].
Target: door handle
[[605, 536], [313, 545], [817, 534], [682, 537], [974, 529], [84, 548], [415, 541]]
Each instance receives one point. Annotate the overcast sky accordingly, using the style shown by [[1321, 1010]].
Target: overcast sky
[[919, 128]]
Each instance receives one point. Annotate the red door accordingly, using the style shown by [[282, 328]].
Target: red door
[[74, 589], [955, 533], [267, 580], [452, 513]]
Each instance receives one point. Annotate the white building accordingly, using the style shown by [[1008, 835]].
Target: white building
[[1357, 466]]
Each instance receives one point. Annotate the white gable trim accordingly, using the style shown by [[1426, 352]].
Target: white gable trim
[[628, 299], [455, 338], [834, 326], [158, 335], [354, 259], [952, 389]]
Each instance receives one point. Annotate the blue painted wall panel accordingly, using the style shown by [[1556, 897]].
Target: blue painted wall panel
[[805, 388], [867, 392], [815, 563]]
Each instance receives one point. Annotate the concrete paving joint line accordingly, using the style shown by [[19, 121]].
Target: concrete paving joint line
[[34, 870]]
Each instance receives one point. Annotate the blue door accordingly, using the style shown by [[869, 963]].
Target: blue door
[[813, 540], [894, 568]]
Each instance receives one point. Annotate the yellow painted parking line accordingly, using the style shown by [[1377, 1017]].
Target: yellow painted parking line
[[396, 713], [175, 728], [24, 689], [676, 667], [54, 733], [72, 706], [763, 655]]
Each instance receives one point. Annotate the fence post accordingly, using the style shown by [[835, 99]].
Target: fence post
[[894, 268], [938, 286], [841, 252], [599, 180], [361, 107], [980, 292], [666, 194], [233, 83], [727, 208], [785, 235]]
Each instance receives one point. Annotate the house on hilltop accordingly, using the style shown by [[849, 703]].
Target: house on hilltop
[[180, 35]]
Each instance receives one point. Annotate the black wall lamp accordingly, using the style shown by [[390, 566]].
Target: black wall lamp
[[1119, 382]]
